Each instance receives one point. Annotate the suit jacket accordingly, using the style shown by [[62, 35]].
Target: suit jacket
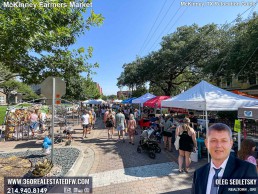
[[235, 168]]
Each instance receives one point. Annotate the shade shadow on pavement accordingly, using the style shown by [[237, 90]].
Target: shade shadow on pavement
[[117, 163], [29, 144]]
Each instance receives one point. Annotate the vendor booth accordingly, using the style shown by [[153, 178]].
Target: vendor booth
[[207, 97], [248, 112], [143, 99], [143, 122], [117, 101], [128, 101], [155, 102], [98, 101]]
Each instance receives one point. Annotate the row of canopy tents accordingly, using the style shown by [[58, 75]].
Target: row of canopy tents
[[147, 99], [207, 97], [203, 97]]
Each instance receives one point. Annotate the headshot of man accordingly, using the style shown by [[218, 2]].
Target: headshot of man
[[223, 165]]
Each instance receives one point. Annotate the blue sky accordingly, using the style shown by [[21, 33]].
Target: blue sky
[[128, 23]]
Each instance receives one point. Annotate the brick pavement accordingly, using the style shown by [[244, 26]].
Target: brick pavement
[[118, 168]]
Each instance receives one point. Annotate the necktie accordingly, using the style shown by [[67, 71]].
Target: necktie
[[214, 188]]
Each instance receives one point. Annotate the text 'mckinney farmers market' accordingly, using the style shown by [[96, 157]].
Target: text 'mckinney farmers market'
[[18, 4]]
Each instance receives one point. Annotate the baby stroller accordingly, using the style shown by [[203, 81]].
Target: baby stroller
[[148, 142]]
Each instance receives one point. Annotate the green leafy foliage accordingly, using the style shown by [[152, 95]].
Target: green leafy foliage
[[34, 42], [140, 90], [15, 86], [194, 53], [79, 88]]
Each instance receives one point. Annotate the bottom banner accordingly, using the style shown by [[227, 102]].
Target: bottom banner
[[15, 185]]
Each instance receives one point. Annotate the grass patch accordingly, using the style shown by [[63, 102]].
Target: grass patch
[[2, 114]]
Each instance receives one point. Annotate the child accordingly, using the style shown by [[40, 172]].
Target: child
[[246, 151], [47, 145]]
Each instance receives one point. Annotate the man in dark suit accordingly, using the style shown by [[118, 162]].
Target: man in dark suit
[[219, 142]]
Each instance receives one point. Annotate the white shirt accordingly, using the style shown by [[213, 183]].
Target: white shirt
[[85, 119], [43, 116], [212, 173]]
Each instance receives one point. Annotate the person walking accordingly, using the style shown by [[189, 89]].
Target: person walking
[[120, 124], [187, 144], [219, 143], [247, 150], [167, 133], [33, 119], [94, 118], [105, 116], [103, 110], [137, 118], [90, 121], [131, 125], [110, 123], [41, 118], [85, 123]]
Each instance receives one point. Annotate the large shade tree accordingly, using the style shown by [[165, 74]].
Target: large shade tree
[[193, 53], [237, 54], [11, 86], [242, 61], [34, 43], [178, 63]]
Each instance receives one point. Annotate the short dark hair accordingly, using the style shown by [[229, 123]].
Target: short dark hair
[[220, 127], [191, 113]]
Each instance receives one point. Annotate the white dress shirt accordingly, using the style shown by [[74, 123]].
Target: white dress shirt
[[212, 173]]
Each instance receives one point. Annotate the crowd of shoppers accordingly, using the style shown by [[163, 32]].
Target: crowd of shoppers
[[125, 120]]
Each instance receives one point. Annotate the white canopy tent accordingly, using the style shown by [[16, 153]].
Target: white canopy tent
[[117, 101], [207, 97], [101, 101], [143, 99], [98, 101]]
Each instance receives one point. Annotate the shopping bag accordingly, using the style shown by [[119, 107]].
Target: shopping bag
[[194, 156], [176, 143]]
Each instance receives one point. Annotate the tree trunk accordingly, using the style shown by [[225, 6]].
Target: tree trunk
[[8, 98]]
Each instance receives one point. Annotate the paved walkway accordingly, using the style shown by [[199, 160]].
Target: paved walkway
[[117, 167]]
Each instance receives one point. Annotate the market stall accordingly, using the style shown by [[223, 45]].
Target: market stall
[[155, 102], [97, 101], [21, 125], [143, 99], [18, 122], [207, 97], [128, 101], [248, 112]]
